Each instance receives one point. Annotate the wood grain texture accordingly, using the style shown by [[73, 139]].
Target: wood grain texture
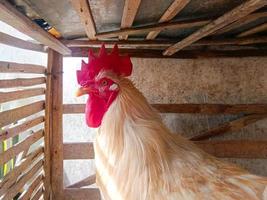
[[26, 195], [12, 67], [129, 12], [21, 82], [38, 194], [81, 194], [73, 151], [171, 12], [84, 11], [228, 18], [13, 17], [257, 29]]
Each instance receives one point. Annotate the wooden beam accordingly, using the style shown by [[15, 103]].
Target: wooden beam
[[26, 195], [153, 27], [228, 18], [257, 29], [232, 126], [11, 67], [20, 94], [12, 116], [21, 82], [208, 109], [171, 12], [129, 12], [244, 20], [19, 43], [73, 151], [90, 180], [84, 11], [10, 15], [56, 124], [81, 194]]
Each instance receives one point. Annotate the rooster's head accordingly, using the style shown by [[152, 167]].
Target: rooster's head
[[98, 80]]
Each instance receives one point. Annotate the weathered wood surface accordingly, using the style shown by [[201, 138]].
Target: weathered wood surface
[[81, 194], [20, 94], [72, 151], [228, 18], [12, 67], [21, 146], [10, 15], [90, 180], [129, 12], [254, 30], [232, 126], [171, 12], [26, 195], [19, 43], [13, 115], [21, 82], [84, 11], [209, 109], [38, 194]]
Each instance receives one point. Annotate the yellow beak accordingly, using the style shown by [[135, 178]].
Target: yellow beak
[[82, 91]]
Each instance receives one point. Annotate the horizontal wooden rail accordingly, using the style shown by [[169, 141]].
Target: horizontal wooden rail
[[235, 125], [20, 94], [19, 43], [75, 151], [22, 146], [15, 189], [81, 194], [222, 149], [11, 67], [12, 132], [13, 176], [21, 82], [209, 109], [26, 195], [12, 116]]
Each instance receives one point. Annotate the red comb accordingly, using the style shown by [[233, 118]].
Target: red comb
[[121, 65]]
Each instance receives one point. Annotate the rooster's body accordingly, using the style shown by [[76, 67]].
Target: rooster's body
[[137, 158]]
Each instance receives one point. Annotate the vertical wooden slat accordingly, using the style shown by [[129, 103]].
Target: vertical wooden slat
[[56, 59]]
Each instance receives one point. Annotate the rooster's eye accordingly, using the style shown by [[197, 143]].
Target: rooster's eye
[[104, 82]]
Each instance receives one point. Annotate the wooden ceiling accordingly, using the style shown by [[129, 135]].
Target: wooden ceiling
[[159, 28]]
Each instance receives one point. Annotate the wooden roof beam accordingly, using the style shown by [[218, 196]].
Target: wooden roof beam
[[10, 15], [257, 29], [129, 12], [170, 13], [83, 9], [228, 18]]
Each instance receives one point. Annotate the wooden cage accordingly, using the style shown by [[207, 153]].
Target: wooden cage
[[42, 169]]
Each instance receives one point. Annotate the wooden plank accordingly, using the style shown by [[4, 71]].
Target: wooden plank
[[228, 18], [16, 130], [184, 54], [244, 20], [12, 67], [19, 43], [235, 149], [73, 151], [90, 180], [21, 146], [81, 194], [11, 178], [26, 195], [38, 194], [13, 17], [57, 139], [209, 109], [154, 27], [84, 11], [20, 94], [129, 12], [257, 29], [21, 82], [10, 15], [232, 126], [12, 116], [15, 189], [171, 12]]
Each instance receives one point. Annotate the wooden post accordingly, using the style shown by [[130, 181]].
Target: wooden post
[[56, 143]]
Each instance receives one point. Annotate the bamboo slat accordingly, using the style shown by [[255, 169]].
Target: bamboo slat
[[12, 116], [81, 194], [11, 67], [26, 195], [15, 189], [21, 82], [22, 146], [72, 151], [12, 176], [20, 94]]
